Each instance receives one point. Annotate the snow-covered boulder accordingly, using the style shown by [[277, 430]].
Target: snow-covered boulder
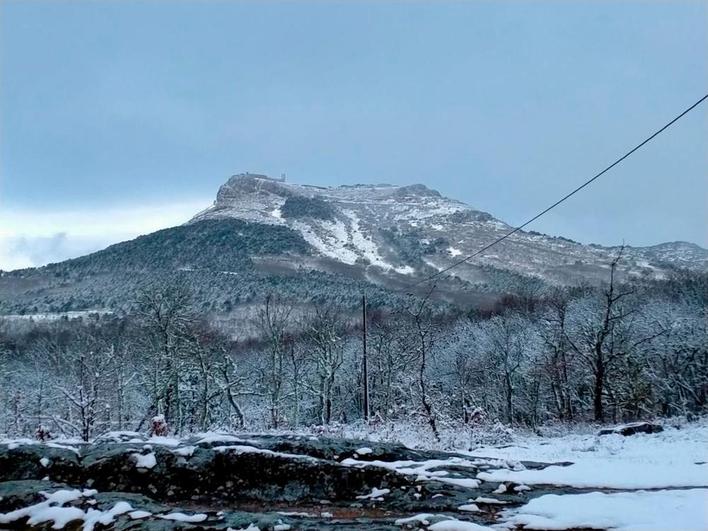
[[632, 429]]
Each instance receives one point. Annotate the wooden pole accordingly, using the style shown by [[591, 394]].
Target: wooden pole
[[365, 361]]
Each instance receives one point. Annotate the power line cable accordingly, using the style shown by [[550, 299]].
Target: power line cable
[[564, 198]]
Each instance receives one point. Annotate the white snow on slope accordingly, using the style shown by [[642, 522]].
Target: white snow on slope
[[364, 244], [685, 444], [621, 475], [668, 459], [345, 241], [685, 510], [331, 240]]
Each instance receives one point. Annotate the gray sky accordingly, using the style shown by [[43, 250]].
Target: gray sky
[[118, 118]]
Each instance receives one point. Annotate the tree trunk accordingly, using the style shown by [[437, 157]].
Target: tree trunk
[[424, 399], [597, 392], [509, 399]]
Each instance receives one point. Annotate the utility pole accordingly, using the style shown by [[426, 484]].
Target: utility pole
[[365, 362]]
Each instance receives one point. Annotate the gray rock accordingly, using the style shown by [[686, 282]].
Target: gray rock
[[632, 429]]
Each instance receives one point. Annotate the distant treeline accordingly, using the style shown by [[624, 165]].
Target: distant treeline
[[621, 351]]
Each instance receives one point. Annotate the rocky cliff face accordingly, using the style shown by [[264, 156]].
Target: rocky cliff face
[[413, 230]]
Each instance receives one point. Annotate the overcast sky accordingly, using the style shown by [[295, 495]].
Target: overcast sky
[[118, 118]]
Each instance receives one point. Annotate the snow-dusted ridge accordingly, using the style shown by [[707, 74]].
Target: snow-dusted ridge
[[352, 236], [412, 230]]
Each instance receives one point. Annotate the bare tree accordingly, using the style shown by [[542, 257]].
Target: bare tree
[[605, 334], [506, 339], [424, 331], [298, 370], [274, 324], [323, 331], [84, 373], [165, 311], [390, 362], [559, 360]]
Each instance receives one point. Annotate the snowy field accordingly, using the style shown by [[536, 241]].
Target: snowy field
[[655, 482], [641, 482]]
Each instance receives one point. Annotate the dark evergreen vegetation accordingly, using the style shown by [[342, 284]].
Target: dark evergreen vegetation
[[307, 207]]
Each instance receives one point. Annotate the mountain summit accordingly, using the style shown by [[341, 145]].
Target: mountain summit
[[414, 230], [391, 228]]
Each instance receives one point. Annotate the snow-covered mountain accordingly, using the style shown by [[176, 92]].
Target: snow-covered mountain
[[313, 243], [413, 230]]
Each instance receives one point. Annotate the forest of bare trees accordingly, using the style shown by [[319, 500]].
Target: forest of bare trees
[[617, 352]]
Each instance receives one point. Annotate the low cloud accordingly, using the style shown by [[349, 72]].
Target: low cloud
[[31, 238], [31, 251]]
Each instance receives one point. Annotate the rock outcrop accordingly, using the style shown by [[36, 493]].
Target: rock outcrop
[[220, 481]]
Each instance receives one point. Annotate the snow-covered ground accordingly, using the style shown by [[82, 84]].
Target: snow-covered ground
[[676, 445], [53, 510], [676, 457], [680, 510], [641, 482], [653, 472]]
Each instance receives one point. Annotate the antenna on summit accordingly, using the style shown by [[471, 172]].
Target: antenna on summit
[[282, 177]]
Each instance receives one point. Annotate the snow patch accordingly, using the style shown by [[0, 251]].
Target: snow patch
[[622, 511], [240, 449], [182, 517], [620, 475], [422, 469], [146, 461], [375, 494], [458, 525], [52, 509], [489, 501], [139, 515], [212, 437], [105, 518], [423, 518], [185, 451]]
